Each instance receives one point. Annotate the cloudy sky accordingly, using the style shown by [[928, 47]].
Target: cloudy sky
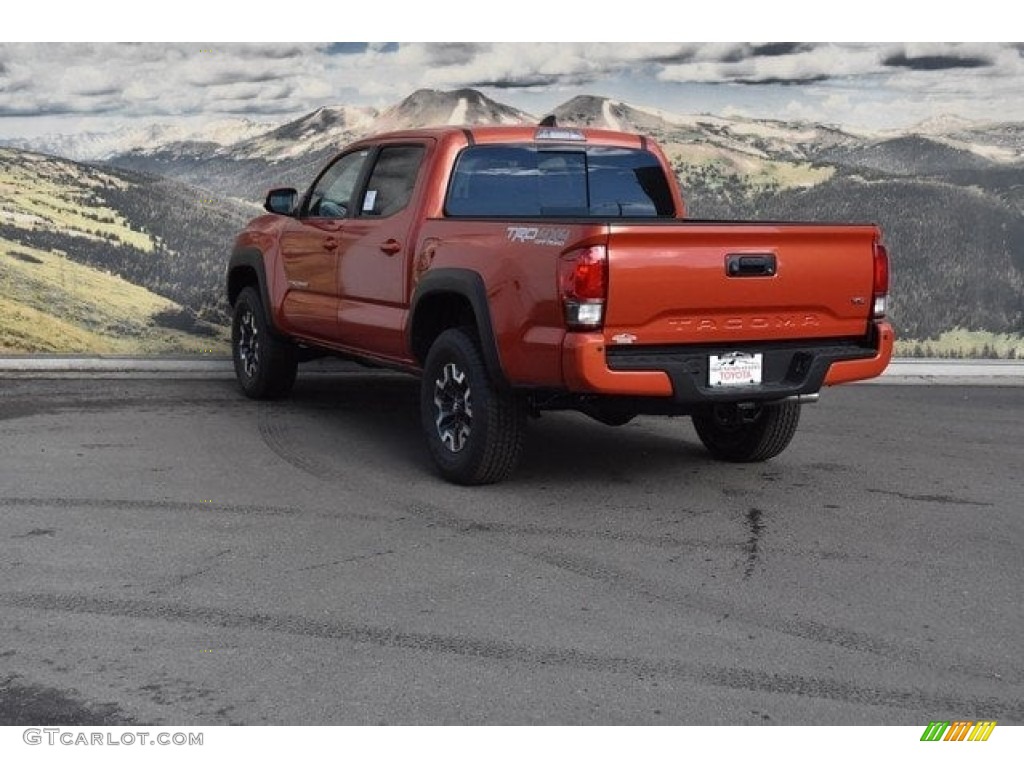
[[66, 88]]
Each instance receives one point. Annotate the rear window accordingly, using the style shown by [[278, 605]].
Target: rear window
[[603, 182]]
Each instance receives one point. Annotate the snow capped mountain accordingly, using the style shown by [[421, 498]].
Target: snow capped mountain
[[942, 125], [996, 142], [323, 128], [333, 127], [463, 107], [703, 138], [139, 139], [599, 112]]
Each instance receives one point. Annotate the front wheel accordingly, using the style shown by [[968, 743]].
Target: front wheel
[[265, 365], [749, 432], [474, 429]]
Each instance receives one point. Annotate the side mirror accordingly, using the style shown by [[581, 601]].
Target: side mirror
[[282, 200]]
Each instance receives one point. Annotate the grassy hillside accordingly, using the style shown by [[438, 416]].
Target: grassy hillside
[[960, 343], [37, 191], [94, 260], [51, 304]]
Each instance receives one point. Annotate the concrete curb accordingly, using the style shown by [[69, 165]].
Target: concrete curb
[[953, 372], [900, 371], [145, 367], [64, 364]]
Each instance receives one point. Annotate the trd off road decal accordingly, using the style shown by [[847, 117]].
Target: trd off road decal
[[538, 235]]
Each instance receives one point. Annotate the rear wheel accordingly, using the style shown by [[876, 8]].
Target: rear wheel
[[474, 429], [749, 432], [265, 365]]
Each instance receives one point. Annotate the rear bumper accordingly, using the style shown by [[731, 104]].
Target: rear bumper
[[680, 372], [868, 367], [585, 370]]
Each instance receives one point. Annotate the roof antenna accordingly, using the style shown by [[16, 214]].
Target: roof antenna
[[548, 122]]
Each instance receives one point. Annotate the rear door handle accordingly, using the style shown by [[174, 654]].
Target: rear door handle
[[391, 246], [330, 243]]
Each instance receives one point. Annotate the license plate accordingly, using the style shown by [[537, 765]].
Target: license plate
[[736, 369]]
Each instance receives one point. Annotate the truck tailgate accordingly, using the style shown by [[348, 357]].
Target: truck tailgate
[[722, 282]]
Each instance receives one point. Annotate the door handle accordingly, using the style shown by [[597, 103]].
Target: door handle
[[751, 265], [330, 243], [391, 246]]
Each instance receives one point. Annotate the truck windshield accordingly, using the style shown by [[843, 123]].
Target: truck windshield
[[602, 182]]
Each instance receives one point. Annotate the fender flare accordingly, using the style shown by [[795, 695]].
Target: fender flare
[[470, 286], [250, 257]]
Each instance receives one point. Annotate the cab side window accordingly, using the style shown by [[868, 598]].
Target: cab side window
[[331, 197], [392, 181]]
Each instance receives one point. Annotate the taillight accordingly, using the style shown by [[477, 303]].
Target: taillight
[[583, 286], [880, 289]]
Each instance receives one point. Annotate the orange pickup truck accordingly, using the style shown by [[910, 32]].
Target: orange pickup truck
[[523, 269]]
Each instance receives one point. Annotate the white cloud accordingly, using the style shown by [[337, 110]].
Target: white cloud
[[148, 79], [157, 80]]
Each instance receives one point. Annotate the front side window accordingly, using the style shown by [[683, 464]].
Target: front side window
[[331, 196], [600, 182]]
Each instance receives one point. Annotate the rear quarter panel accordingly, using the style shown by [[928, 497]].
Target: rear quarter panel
[[521, 280]]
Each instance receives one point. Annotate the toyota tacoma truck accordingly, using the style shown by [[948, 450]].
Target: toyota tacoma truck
[[519, 269]]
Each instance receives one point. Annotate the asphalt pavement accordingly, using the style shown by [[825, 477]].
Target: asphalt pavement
[[172, 553]]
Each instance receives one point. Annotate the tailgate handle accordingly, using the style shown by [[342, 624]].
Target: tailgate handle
[[750, 265]]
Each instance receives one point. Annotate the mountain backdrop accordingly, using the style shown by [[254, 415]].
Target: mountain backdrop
[[117, 242]]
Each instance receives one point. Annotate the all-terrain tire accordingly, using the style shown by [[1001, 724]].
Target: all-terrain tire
[[474, 429], [732, 436], [265, 365]]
